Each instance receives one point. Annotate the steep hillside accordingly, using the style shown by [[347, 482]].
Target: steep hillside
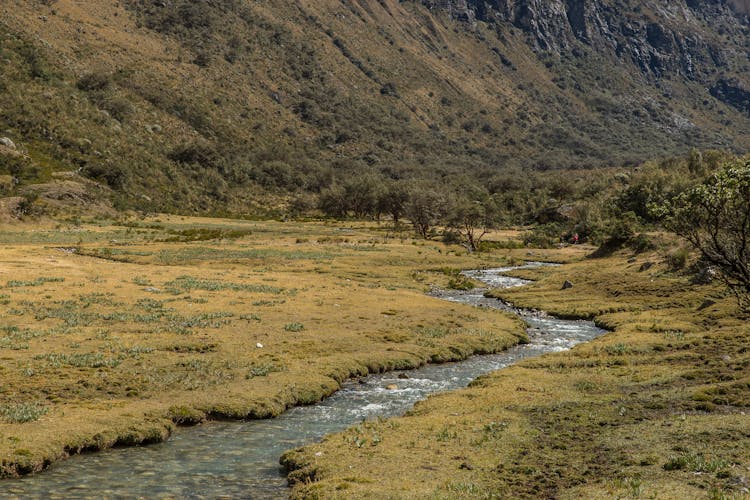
[[231, 105]]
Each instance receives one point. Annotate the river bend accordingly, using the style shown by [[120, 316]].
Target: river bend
[[240, 459]]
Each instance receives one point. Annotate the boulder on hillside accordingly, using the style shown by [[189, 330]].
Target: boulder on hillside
[[5, 141]]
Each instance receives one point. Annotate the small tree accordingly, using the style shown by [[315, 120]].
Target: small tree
[[472, 219], [333, 202], [715, 218], [393, 199], [357, 196], [426, 206], [362, 193]]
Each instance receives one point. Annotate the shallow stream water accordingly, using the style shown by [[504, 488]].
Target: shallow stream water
[[240, 459]]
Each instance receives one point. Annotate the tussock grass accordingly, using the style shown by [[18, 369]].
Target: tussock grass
[[262, 370], [88, 360]]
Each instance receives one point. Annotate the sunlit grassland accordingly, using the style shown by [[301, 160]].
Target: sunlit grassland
[[656, 409], [113, 331]]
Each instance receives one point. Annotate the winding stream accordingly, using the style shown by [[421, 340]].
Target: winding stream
[[240, 459]]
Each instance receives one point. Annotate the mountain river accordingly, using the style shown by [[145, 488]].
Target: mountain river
[[240, 459]]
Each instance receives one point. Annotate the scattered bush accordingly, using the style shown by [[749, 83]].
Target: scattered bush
[[389, 89], [294, 327], [115, 176], [197, 153], [94, 82], [460, 282], [677, 259], [543, 236], [642, 243]]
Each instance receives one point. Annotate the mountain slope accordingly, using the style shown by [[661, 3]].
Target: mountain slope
[[226, 105]]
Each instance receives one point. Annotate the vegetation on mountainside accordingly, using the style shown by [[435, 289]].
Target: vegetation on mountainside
[[246, 108], [365, 111]]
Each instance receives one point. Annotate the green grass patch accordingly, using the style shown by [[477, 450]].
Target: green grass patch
[[188, 254], [695, 462], [22, 413], [87, 360], [204, 234], [262, 370], [35, 282], [188, 283]]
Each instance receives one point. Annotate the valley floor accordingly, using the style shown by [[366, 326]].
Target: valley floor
[[658, 408], [113, 332]]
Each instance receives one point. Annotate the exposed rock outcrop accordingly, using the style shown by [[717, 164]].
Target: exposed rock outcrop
[[7, 143], [732, 92], [659, 37]]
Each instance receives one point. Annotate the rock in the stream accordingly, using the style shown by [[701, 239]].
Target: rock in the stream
[[403, 376], [568, 284], [391, 387]]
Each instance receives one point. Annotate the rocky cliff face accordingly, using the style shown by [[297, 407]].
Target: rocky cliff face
[[686, 37]]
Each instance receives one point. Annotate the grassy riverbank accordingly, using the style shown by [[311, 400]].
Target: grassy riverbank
[[113, 332], [656, 409]]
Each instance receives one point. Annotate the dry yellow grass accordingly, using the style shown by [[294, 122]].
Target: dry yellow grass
[[111, 333], [656, 409]]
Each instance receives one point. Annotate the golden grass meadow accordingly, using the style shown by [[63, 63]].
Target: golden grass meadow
[[658, 408], [115, 331]]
